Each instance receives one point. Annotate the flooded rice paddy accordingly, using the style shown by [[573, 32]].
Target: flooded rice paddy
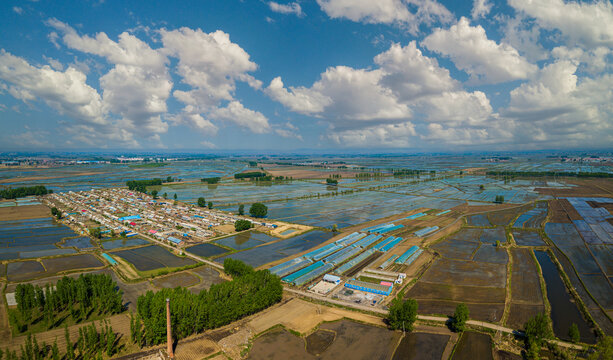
[[93, 176], [206, 250], [526, 294], [278, 250], [31, 269], [527, 238], [121, 243], [67, 263], [564, 311], [79, 243], [246, 240], [32, 238], [152, 257]]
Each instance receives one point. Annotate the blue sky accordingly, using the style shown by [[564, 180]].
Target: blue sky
[[416, 75]]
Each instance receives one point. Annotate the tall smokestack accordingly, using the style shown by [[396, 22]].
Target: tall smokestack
[[169, 330]]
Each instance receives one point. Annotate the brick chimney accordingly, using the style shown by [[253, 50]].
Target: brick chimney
[[169, 330]]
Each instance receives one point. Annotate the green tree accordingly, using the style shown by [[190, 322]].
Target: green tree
[[154, 194], [95, 232], [402, 314], [175, 196], [241, 209], [458, 323], [210, 204], [201, 202], [481, 187], [69, 346], [165, 196], [55, 212], [241, 225], [573, 333], [55, 351], [537, 331], [603, 350], [258, 210]]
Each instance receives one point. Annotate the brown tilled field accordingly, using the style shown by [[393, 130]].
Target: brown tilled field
[[583, 187], [24, 212], [557, 214], [431, 291], [478, 311]]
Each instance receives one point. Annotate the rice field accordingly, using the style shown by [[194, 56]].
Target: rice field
[[152, 257], [245, 240], [276, 251], [206, 250], [32, 238], [121, 243]]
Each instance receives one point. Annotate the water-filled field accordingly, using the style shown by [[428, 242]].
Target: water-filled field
[[89, 176], [244, 191], [120, 243], [206, 250], [564, 311], [32, 238], [24, 270], [528, 238], [352, 209], [79, 243], [67, 263], [152, 257], [245, 240], [272, 252]]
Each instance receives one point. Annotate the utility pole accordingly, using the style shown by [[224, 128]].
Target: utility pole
[[169, 330]]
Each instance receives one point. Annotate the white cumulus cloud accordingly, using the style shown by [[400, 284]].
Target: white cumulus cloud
[[480, 8], [291, 8], [388, 12], [483, 59], [583, 24]]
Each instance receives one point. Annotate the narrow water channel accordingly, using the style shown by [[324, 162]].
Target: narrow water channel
[[564, 312]]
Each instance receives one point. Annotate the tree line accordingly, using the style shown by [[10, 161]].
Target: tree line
[[211, 180], [250, 291], [79, 297], [249, 175], [14, 193], [91, 344], [141, 185], [551, 174]]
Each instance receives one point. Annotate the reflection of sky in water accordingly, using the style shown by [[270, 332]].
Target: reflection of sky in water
[[245, 240], [279, 250], [109, 175]]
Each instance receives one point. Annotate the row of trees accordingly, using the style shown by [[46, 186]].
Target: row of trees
[[249, 175], [24, 191], [250, 291], [330, 181], [91, 344], [499, 199], [403, 313], [80, 297], [211, 180], [551, 174], [141, 185]]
